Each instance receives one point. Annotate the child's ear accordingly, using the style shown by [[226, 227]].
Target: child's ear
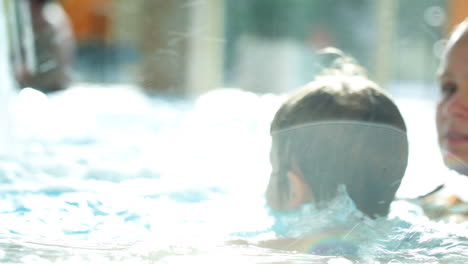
[[299, 190]]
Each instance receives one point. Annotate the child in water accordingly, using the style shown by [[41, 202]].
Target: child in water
[[341, 130], [449, 201]]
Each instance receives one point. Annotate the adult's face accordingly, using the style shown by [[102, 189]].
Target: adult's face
[[452, 110]]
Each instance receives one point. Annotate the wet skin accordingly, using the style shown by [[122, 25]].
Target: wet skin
[[452, 109]]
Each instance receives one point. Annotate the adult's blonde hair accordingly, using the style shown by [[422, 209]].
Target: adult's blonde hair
[[459, 33]]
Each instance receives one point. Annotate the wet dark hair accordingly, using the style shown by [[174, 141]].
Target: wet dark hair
[[340, 94]]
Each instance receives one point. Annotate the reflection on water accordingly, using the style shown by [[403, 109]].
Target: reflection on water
[[111, 176]]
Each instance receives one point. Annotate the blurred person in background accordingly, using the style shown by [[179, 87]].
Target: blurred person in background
[[449, 201], [53, 48]]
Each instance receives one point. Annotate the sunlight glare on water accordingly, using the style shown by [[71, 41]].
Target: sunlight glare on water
[[113, 176]]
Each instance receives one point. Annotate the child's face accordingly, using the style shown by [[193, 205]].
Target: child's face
[[452, 110]]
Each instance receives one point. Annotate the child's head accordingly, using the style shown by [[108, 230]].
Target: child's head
[[340, 129], [452, 110]]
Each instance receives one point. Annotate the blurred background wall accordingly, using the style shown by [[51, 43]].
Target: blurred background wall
[[187, 47]]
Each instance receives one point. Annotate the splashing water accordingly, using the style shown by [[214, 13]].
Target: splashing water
[[112, 176]]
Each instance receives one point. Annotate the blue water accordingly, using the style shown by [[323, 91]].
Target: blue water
[[108, 175]]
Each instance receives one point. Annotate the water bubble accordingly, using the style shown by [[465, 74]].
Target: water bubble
[[434, 16], [438, 48]]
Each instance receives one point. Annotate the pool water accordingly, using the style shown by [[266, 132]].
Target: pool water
[[109, 175]]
